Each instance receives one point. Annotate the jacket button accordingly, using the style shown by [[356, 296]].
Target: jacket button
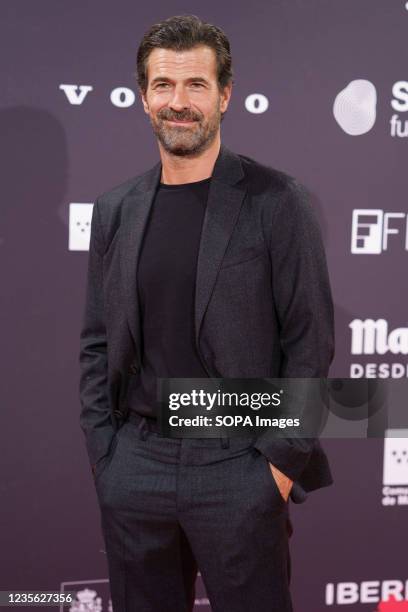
[[118, 414], [134, 368]]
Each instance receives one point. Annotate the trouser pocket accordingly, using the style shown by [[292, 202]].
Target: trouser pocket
[[104, 461]]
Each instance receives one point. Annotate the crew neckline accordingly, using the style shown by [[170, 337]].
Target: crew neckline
[[184, 185]]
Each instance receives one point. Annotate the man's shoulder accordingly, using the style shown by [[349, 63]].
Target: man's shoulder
[[110, 202], [264, 175], [117, 193], [274, 187]]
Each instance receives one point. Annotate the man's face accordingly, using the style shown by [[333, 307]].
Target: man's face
[[183, 100]]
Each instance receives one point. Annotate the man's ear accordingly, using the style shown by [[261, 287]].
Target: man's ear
[[144, 101], [225, 97]]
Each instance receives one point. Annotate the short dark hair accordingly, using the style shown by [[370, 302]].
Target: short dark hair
[[183, 32]]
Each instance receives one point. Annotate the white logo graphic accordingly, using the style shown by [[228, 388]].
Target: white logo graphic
[[86, 601], [371, 229], [367, 231], [122, 97], [354, 107], [396, 457], [256, 103], [400, 96], [395, 468], [80, 216], [90, 596], [72, 94], [371, 337], [366, 592]]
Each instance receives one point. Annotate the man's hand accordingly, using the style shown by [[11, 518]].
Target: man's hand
[[283, 482]]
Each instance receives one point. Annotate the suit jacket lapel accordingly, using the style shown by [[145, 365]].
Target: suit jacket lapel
[[223, 206], [135, 212]]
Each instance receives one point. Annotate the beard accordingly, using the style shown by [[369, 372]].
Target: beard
[[185, 140]]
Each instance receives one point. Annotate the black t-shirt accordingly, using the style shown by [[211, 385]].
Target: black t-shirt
[[166, 288]]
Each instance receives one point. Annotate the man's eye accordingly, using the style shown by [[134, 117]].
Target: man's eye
[[162, 85], [198, 84]]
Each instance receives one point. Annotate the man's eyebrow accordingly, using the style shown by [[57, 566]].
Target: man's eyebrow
[[189, 80]]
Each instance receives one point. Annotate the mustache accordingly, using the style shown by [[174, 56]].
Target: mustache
[[183, 116]]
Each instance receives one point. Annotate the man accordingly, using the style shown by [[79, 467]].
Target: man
[[207, 265]]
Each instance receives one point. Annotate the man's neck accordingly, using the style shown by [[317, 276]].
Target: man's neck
[[177, 170]]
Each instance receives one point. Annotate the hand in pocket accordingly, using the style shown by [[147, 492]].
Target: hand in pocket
[[283, 482]]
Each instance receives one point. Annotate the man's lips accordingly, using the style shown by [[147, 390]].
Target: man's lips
[[178, 121]]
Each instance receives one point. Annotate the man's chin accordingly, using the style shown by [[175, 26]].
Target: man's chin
[[182, 149]]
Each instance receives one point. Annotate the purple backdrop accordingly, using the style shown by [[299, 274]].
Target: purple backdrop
[[331, 80]]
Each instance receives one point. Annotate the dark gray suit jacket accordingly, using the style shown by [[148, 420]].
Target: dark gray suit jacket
[[263, 306]]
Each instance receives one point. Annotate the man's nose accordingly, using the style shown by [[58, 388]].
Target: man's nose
[[180, 99]]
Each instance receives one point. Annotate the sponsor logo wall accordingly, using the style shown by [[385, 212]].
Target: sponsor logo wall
[[321, 93]]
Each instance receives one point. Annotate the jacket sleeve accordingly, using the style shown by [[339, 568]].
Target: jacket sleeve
[[95, 419], [304, 306]]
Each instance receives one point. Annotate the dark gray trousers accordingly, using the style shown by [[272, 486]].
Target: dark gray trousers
[[172, 506]]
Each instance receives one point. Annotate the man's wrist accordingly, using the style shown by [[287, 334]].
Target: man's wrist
[[283, 482]]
